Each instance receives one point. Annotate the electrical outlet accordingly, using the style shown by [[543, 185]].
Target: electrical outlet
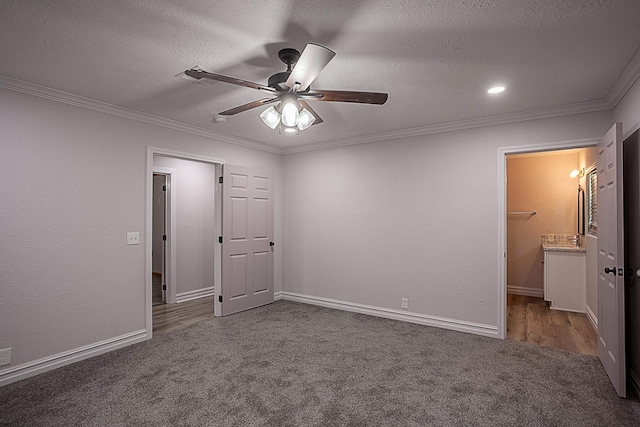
[[405, 303], [5, 356], [133, 238]]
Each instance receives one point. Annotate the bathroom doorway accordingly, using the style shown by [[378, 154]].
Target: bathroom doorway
[[542, 202]]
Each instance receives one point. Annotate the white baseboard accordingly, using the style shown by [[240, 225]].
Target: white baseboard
[[10, 375], [634, 382], [529, 292], [592, 317], [198, 293], [406, 316], [277, 296]]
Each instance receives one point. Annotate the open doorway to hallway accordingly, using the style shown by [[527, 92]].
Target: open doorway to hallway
[[550, 301], [184, 236]]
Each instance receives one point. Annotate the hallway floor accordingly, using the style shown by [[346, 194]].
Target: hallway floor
[[529, 319], [169, 317]]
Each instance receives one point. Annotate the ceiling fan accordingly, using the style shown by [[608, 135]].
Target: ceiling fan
[[291, 89]]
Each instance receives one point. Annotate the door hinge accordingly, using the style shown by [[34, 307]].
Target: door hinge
[[164, 287], [219, 298], [164, 188], [219, 239], [220, 180], [164, 237]]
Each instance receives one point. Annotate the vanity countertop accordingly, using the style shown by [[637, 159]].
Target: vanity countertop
[[560, 248]]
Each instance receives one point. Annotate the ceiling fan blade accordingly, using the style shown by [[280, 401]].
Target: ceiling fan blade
[[377, 98], [248, 106], [199, 74], [312, 111], [312, 60]]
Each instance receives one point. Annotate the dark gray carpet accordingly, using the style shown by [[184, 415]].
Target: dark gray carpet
[[290, 364]]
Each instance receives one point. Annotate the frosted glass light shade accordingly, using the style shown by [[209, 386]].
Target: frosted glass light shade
[[306, 119], [270, 117], [290, 115]]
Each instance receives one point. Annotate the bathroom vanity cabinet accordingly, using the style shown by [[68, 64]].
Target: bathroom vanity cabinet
[[565, 278]]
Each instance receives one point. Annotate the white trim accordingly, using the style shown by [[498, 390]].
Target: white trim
[[217, 248], [184, 156], [591, 316], [277, 296], [528, 292], [191, 295], [405, 316], [170, 256], [115, 110], [586, 107], [625, 81], [49, 363], [502, 213]]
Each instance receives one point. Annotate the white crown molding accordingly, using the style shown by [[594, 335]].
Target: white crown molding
[[628, 77], [543, 113], [405, 316], [114, 110]]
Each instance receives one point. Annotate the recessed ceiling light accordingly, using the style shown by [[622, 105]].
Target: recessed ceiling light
[[496, 89]]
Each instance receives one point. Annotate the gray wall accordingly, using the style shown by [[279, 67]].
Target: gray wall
[[73, 185], [416, 218]]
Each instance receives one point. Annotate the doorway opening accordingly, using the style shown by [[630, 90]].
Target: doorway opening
[[523, 221], [182, 225], [546, 250]]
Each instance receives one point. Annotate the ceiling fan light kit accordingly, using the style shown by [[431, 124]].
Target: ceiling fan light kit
[[293, 118], [292, 88], [271, 117]]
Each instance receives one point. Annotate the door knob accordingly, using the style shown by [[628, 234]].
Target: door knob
[[608, 270], [272, 243]]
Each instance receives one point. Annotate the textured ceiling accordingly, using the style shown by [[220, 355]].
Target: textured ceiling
[[436, 59]]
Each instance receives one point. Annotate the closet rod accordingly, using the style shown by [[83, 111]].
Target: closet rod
[[522, 213]]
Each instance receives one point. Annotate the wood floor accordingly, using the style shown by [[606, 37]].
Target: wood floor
[[529, 319], [169, 317]]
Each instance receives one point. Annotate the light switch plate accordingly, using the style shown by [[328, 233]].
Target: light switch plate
[[133, 238]]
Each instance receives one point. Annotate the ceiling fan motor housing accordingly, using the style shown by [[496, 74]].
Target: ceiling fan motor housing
[[277, 81], [289, 56]]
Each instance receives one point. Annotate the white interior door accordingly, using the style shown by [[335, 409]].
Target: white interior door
[[247, 244], [611, 339]]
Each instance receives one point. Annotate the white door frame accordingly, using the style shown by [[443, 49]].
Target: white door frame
[[217, 253], [169, 273], [502, 213]]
